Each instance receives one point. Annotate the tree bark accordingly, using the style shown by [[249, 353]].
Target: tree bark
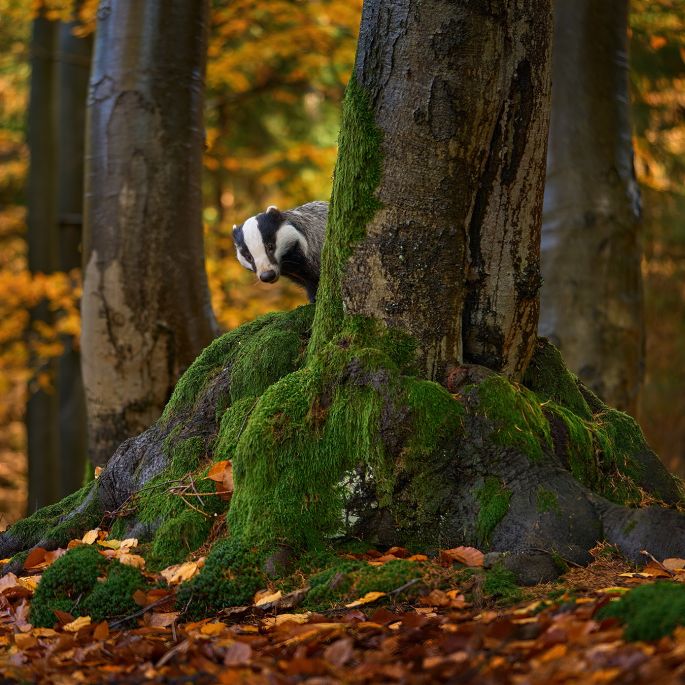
[[460, 94], [592, 294], [42, 407], [74, 55], [146, 308]]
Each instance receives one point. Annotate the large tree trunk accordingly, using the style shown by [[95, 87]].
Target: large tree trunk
[[146, 309], [42, 407], [73, 73], [592, 294], [454, 223]]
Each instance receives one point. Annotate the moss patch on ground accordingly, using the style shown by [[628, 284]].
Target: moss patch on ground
[[500, 584], [84, 583], [649, 612]]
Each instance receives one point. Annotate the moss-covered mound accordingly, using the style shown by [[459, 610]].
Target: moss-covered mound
[[346, 441], [649, 612], [84, 583]]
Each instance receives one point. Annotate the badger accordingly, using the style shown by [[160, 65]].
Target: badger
[[276, 243]]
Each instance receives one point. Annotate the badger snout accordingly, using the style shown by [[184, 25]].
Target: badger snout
[[269, 276]]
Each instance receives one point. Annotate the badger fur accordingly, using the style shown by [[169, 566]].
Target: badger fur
[[275, 243]]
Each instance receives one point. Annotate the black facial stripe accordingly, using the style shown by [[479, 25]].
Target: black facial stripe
[[239, 241], [268, 224]]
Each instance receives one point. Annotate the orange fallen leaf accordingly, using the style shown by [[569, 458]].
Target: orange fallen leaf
[[98, 471], [214, 628], [35, 557], [265, 597], [273, 621], [134, 560], [674, 564], [90, 537], [101, 631], [368, 598], [77, 624], [25, 640], [175, 575], [221, 472], [469, 556], [162, 619]]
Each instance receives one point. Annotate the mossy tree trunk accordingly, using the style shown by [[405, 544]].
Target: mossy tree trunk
[[592, 294], [438, 190], [146, 308], [333, 419]]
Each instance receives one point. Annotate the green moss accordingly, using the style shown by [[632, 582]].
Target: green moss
[[493, 497], [213, 358], [353, 205], [65, 583], [271, 353], [177, 537], [232, 573], [113, 598], [500, 584], [233, 423], [517, 416], [649, 612], [547, 501], [600, 452], [47, 522], [548, 377]]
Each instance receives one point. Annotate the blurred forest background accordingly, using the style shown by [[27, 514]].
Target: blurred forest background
[[275, 78]]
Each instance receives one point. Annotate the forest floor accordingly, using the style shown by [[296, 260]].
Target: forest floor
[[552, 633]]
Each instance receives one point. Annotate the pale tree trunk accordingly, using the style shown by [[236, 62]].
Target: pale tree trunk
[[463, 125], [592, 294], [42, 407], [146, 308], [73, 71]]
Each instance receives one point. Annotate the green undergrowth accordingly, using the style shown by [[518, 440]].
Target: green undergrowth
[[84, 583], [648, 612], [234, 573], [500, 585]]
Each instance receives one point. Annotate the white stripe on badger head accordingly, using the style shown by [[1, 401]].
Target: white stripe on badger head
[[286, 237], [253, 239], [243, 261]]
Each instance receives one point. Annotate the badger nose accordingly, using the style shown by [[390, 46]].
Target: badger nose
[[269, 276]]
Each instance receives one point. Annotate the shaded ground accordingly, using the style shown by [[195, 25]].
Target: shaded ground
[[476, 631]]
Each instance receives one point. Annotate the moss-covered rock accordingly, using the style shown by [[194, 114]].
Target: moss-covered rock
[[649, 612]]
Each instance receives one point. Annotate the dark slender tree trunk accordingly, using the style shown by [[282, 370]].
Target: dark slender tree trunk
[[592, 294], [460, 94], [73, 56], [146, 308], [42, 408]]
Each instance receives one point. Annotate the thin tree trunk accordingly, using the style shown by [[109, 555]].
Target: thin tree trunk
[[456, 230], [42, 406], [146, 308], [74, 55], [592, 294]]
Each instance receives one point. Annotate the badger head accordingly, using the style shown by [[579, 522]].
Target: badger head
[[263, 240]]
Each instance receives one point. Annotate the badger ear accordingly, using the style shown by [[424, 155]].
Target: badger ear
[[272, 208]]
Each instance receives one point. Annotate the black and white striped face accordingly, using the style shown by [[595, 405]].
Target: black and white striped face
[[263, 240]]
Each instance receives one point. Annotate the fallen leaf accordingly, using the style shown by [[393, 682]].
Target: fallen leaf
[[101, 631], [25, 640], [98, 471], [90, 537], [7, 582], [221, 472], [175, 575], [368, 598], [29, 582], [132, 560], [35, 557], [674, 564], [469, 556], [110, 544], [77, 624], [266, 597], [214, 628], [162, 619], [273, 621], [339, 652], [237, 653]]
